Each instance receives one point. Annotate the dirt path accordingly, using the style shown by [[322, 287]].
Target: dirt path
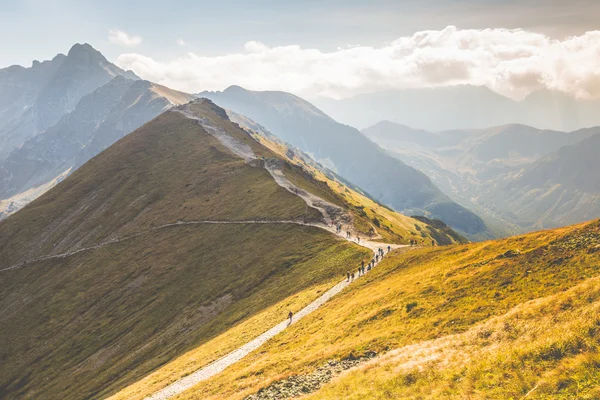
[[219, 365], [332, 216]]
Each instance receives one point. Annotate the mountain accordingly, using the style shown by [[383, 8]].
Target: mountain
[[99, 119], [479, 168], [463, 107], [556, 190], [349, 153], [180, 231], [35, 98], [498, 319]]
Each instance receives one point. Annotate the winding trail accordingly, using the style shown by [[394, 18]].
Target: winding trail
[[332, 215], [222, 363]]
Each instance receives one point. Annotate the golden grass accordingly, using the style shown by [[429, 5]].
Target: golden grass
[[393, 227], [416, 296], [544, 348]]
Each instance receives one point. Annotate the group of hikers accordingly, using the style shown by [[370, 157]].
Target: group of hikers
[[362, 269], [415, 242]]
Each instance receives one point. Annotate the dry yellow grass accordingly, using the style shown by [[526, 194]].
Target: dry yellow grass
[[422, 295]]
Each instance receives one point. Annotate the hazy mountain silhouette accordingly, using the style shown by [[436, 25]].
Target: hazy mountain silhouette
[[518, 177], [463, 107], [35, 98]]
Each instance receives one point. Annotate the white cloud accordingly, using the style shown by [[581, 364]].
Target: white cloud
[[123, 38], [181, 42], [512, 62]]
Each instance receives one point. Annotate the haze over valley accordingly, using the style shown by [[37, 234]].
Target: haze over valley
[[320, 200]]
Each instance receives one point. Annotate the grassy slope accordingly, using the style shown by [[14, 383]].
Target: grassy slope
[[451, 290], [393, 227], [168, 170], [88, 324]]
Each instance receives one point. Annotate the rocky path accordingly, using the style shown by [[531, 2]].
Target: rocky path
[[369, 244], [332, 216], [219, 365]]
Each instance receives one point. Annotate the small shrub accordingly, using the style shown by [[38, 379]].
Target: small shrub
[[410, 306]]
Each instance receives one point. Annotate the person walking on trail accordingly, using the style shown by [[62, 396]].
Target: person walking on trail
[[290, 315], [389, 248], [347, 276], [352, 276], [433, 243], [376, 257], [357, 239]]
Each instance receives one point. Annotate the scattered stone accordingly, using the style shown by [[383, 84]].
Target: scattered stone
[[299, 385], [509, 254]]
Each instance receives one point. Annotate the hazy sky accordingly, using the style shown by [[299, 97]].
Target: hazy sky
[[334, 48]]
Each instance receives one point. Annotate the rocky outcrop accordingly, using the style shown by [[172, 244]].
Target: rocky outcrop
[[299, 385]]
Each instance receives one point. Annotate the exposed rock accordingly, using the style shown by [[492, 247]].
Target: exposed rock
[[299, 385]]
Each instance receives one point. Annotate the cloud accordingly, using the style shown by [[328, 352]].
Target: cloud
[[181, 42], [511, 61], [123, 38]]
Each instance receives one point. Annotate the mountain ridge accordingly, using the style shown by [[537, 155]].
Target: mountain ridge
[[347, 152]]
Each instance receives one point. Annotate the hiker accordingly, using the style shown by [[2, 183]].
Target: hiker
[[389, 248], [369, 267], [290, 315], [433, 243], [376, 257], [357, 239], [347, 276], [353, 276]]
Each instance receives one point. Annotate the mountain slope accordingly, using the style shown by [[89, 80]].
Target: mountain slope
[[476, 168], [33, 99], [559, 189], [99, 119], [347, 152], [494, 319], [162, 242]]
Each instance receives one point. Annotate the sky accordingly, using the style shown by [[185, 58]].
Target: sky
[[330, 48]]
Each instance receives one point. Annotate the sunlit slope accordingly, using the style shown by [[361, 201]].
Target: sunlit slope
[[477, 291], [371, 219], [128, 288]]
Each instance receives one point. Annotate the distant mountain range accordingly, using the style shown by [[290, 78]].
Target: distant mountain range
[[517, 177], [35, 98], [463, 107], [98, 119], [349, 153]]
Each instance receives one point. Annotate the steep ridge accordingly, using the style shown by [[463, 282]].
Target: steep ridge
[[501, 318], [155, 246], [368, 215], [33, 99], [99, 119], [347, 152]]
